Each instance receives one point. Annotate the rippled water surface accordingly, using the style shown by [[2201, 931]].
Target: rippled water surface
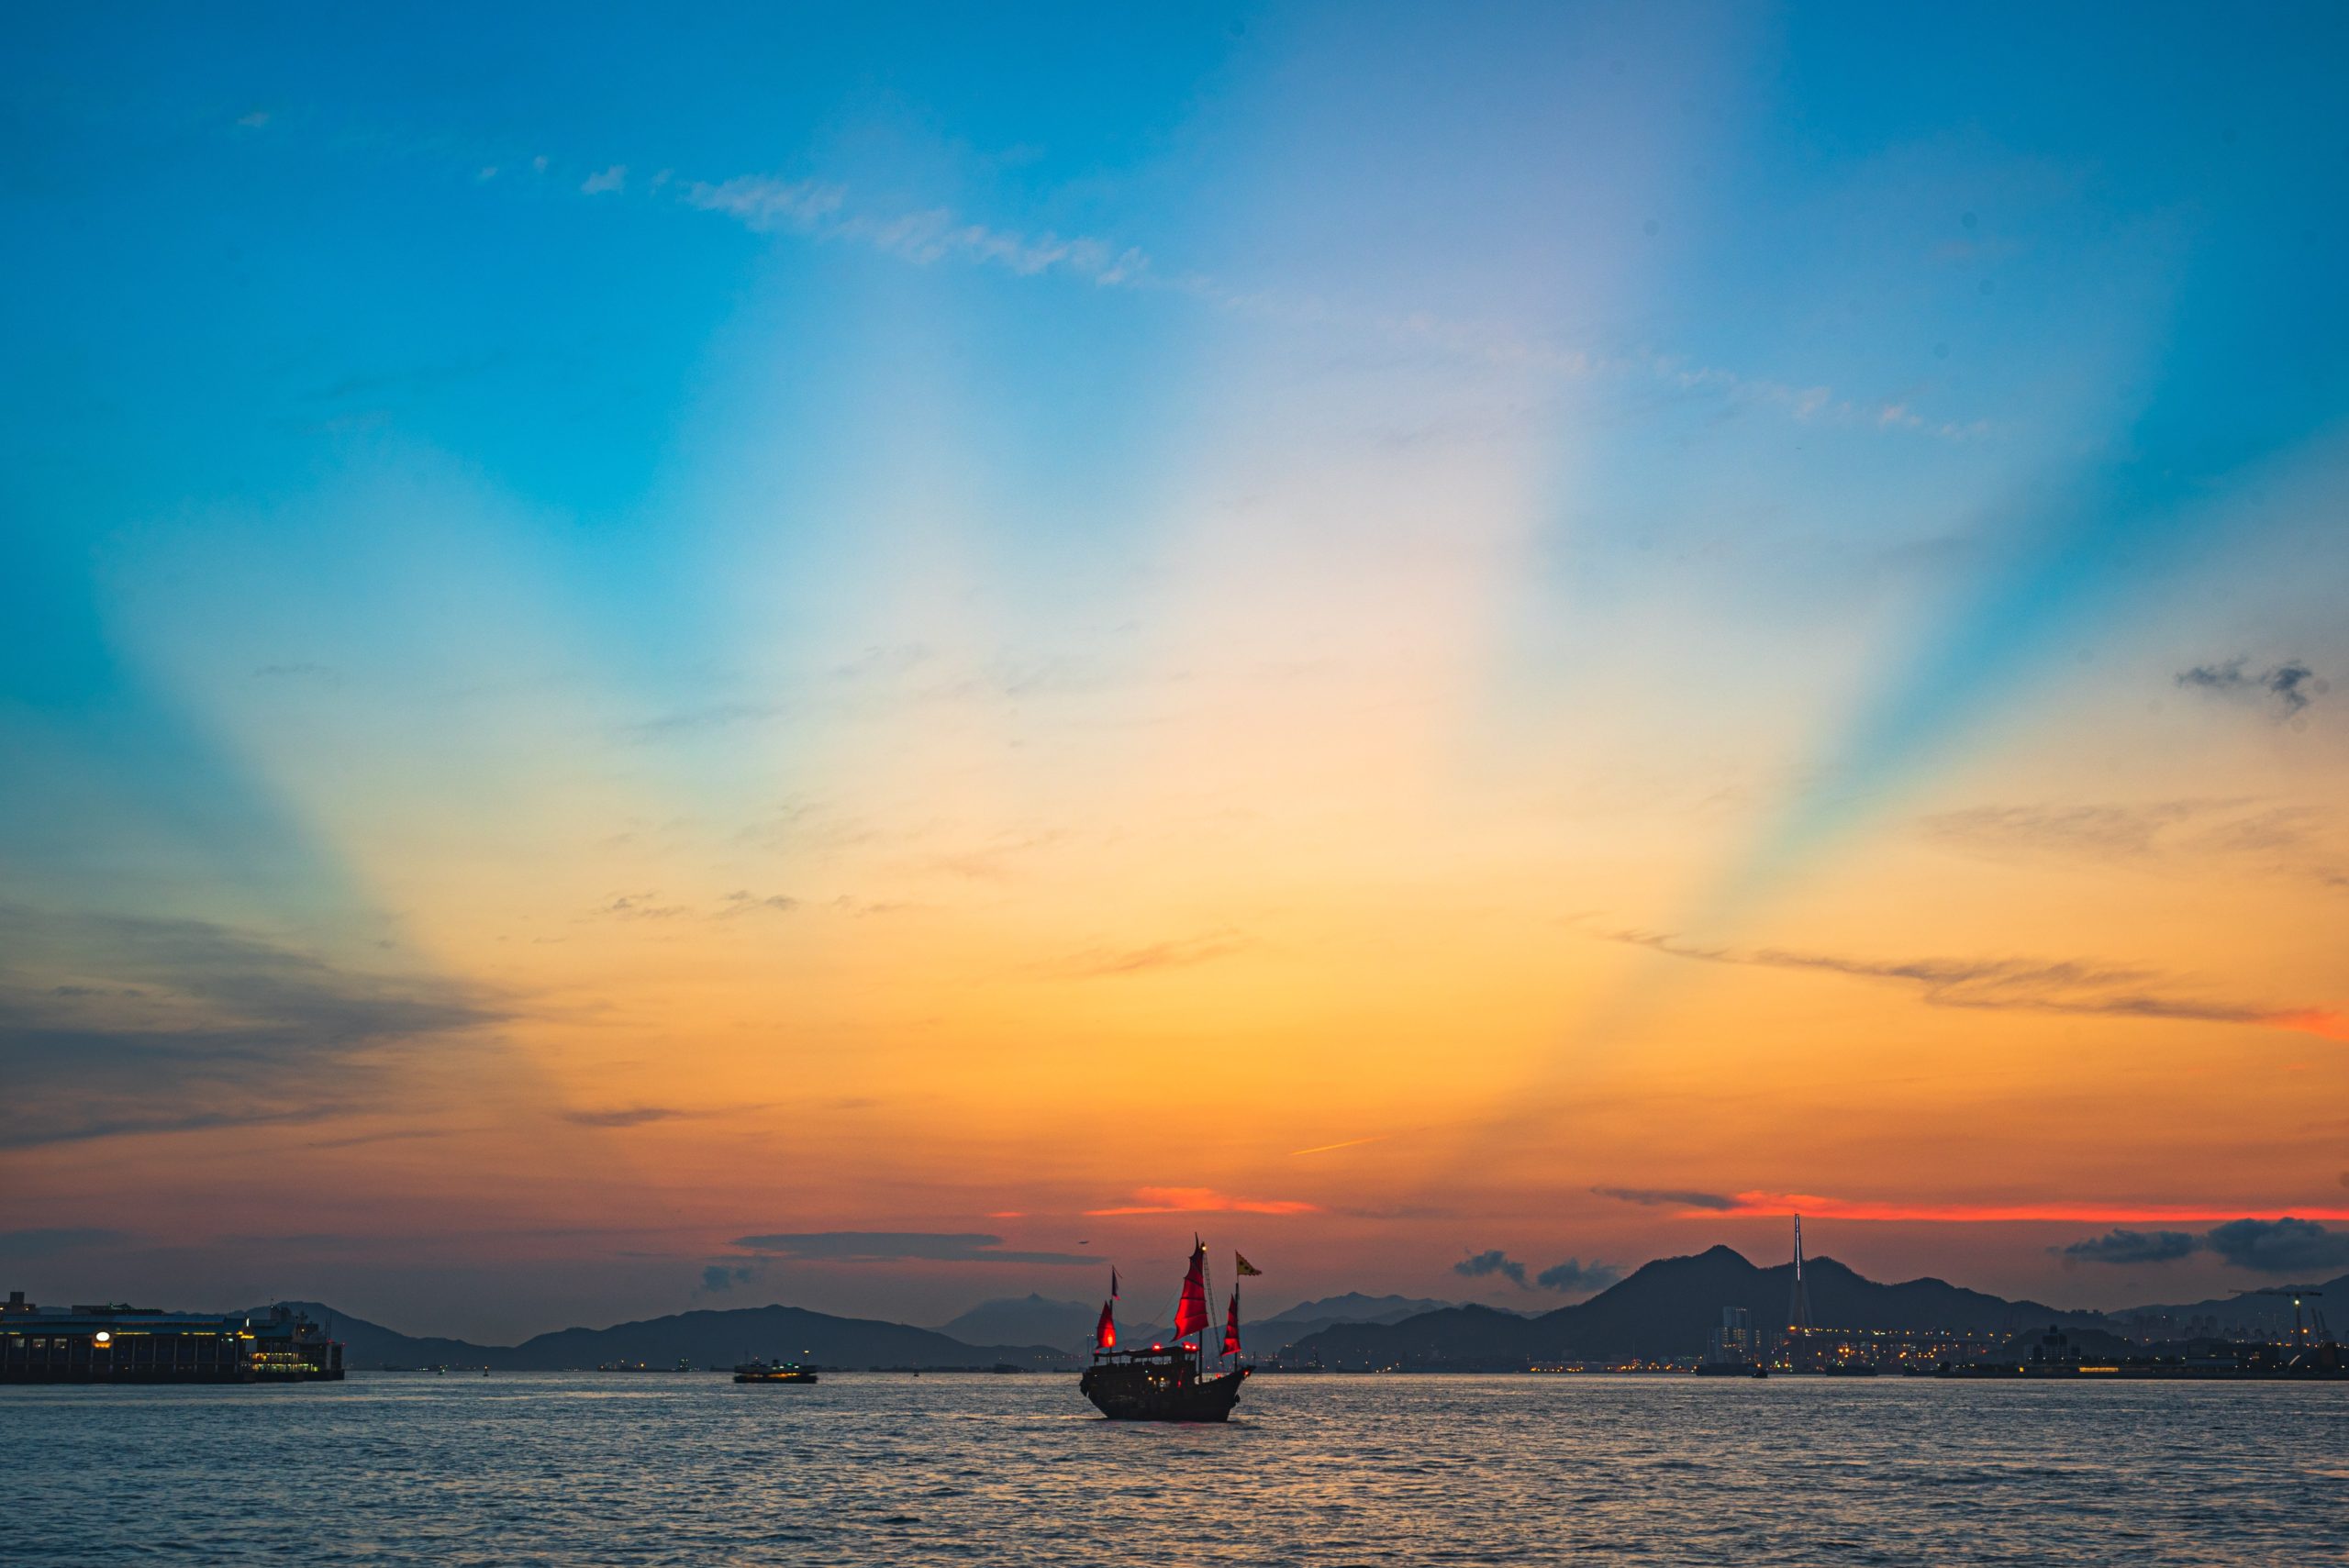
[[891, 1469]]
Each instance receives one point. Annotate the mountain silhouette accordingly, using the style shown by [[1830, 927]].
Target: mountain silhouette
[[1667, 1308], [703, 1338], [1354, 1308]]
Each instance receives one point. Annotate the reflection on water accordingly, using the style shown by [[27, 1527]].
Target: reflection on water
[[879, 1469]]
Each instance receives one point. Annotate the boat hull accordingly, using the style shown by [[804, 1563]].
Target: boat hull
[[1147, 1392]]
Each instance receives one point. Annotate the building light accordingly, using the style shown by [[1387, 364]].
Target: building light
[[106, 1338]]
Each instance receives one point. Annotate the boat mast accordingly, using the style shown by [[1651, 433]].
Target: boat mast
[[1207, 1298]]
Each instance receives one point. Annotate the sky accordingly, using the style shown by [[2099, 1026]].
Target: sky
[[874, 656]]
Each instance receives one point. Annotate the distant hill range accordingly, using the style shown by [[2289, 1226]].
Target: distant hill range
[[1309, 1318], [1034, 1320], [705, 1338], [2258, 1315], [1666, 1309]]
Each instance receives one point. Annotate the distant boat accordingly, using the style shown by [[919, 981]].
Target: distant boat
[[1731, 1369], [755, 1371], [1169, 1383]]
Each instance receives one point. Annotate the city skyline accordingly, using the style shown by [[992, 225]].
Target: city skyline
[[871, 657]]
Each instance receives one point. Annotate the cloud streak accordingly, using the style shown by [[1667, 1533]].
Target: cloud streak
[[822, 211], [1573, 1276], [624, 1115], [1106, 964], [1485, 1265], [1333, 1148], [2288, 1244], [1677, 1197], [1201, 1200], [2120, 1245], [2290, 685], [117, 1025], [2015, 985], [2291, 1244]]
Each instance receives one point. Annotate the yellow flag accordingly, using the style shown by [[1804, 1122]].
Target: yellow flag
[[1244, 1266]]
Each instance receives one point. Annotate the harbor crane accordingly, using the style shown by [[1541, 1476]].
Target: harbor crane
[[2314, 1328]]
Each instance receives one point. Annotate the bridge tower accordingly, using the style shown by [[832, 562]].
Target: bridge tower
[[1798, 1307]]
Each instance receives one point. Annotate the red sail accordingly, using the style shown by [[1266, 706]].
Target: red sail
[[1191, 1312], [1231, 1326], [1105, 1335]]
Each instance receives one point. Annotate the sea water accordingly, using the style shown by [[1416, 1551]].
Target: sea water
[[886, 1469]]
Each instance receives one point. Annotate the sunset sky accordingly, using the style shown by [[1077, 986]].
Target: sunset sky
[[873, 656]]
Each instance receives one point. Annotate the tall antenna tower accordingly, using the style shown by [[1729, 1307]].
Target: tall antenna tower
[[1798, 1307]]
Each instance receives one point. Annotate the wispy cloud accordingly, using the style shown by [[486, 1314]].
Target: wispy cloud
[[2290, 687], [821, 210], [719, 1278], [1483, 1265], [639, 906], [624, 1115], [825, 210], [1094, 964], [608, 182], [2282, 840], [689, 721], [2120, 1245], [733, 907], [2104, 830], [1333, 1148], [1673, 1197], [361, 1139], [765, 202], [1574, 1277], [744, 902], [1201, 1200], [998, 861], [1806, 405], [116, 1025], [2016, 984], [2288, 1244]]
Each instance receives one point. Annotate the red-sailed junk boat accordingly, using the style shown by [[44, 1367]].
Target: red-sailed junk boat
[[1169, 1383]]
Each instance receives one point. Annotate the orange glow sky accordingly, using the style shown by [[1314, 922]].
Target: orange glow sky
[[1308, 664]]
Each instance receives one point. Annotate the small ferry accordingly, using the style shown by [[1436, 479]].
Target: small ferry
[[1176, 1382], [756, 1371], [1731, 1369]]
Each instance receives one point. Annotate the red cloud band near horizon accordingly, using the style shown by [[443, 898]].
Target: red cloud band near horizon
[[1200, 1200]]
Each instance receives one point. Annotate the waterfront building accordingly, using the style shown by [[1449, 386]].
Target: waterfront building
[[1736, 1343], [114, 1343]]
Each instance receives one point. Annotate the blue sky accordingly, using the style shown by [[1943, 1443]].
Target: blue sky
[[1179, 474]]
